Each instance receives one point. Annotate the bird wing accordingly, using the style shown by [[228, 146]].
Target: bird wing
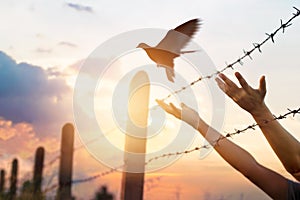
[[176, 39]]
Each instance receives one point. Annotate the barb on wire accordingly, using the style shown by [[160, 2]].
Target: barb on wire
[[257, 46], [297, 11], [236, 132]]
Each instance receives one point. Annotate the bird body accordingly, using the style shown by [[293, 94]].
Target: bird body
[[170, 47]]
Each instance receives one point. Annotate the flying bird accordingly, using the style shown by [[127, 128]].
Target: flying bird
[[170, 47]]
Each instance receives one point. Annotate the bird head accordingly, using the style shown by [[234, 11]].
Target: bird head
[[142, 45]]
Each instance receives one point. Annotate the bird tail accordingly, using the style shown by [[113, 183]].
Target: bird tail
[[191, 51], [170, 74]]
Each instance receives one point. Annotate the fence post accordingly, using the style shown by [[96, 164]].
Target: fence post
[[38, 172], [66, 163], [135, 141], [13, 180], [2, 182]]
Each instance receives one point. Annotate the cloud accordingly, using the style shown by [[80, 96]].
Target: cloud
[[79, 7], [91, 64], [18, 140], [42, 50], [55, 72], [8, 131], [29, 94], [22, 135], [68, 44], [75, 67]]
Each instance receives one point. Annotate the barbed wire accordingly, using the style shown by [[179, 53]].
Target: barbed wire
[[96, 139], [99, 175], [256, 46], [253, 126], [50, 188], [81, 146], [87, 179], [290, 112], [236, 132], [50, 179], [105, 173]]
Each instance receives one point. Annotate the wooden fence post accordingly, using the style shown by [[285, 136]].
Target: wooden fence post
[[13, 180], [38, 172], [2, 182], [66, 163], [135, 141]]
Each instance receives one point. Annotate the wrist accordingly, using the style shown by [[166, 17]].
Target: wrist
[[195, 122], [261, 113]]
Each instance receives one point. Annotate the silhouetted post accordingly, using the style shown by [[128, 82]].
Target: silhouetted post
[[135, 141], [13, 180], [2, 182], [38, 172], [66, 163]]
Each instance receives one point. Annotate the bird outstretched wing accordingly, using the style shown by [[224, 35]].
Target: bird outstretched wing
[[176, 39]]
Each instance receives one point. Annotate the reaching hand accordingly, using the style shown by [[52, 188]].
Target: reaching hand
[[246, 97], [186, 114]]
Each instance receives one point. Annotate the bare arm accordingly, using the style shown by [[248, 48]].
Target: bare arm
[[270, 182], [286, 147]]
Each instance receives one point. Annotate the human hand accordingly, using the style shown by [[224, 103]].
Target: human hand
[[251, 100], [185, 114]]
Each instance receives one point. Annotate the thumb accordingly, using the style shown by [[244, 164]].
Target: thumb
[[187, 109], [182, 105], [262, 86]]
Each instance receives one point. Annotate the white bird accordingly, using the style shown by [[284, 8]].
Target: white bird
[[170, 47]]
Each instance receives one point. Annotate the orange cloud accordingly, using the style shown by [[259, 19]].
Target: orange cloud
[[9, 130], [20, 140]]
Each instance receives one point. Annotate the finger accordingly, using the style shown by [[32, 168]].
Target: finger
[[173, 107], [169, 108], [163, 105], [160, 102], [182, 105], [225, 88], [221, 84], [186, 108], [229, 82], [243, 82], [175, 111], [262, 86]]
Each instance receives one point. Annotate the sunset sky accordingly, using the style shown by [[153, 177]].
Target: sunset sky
[[43, 44]]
